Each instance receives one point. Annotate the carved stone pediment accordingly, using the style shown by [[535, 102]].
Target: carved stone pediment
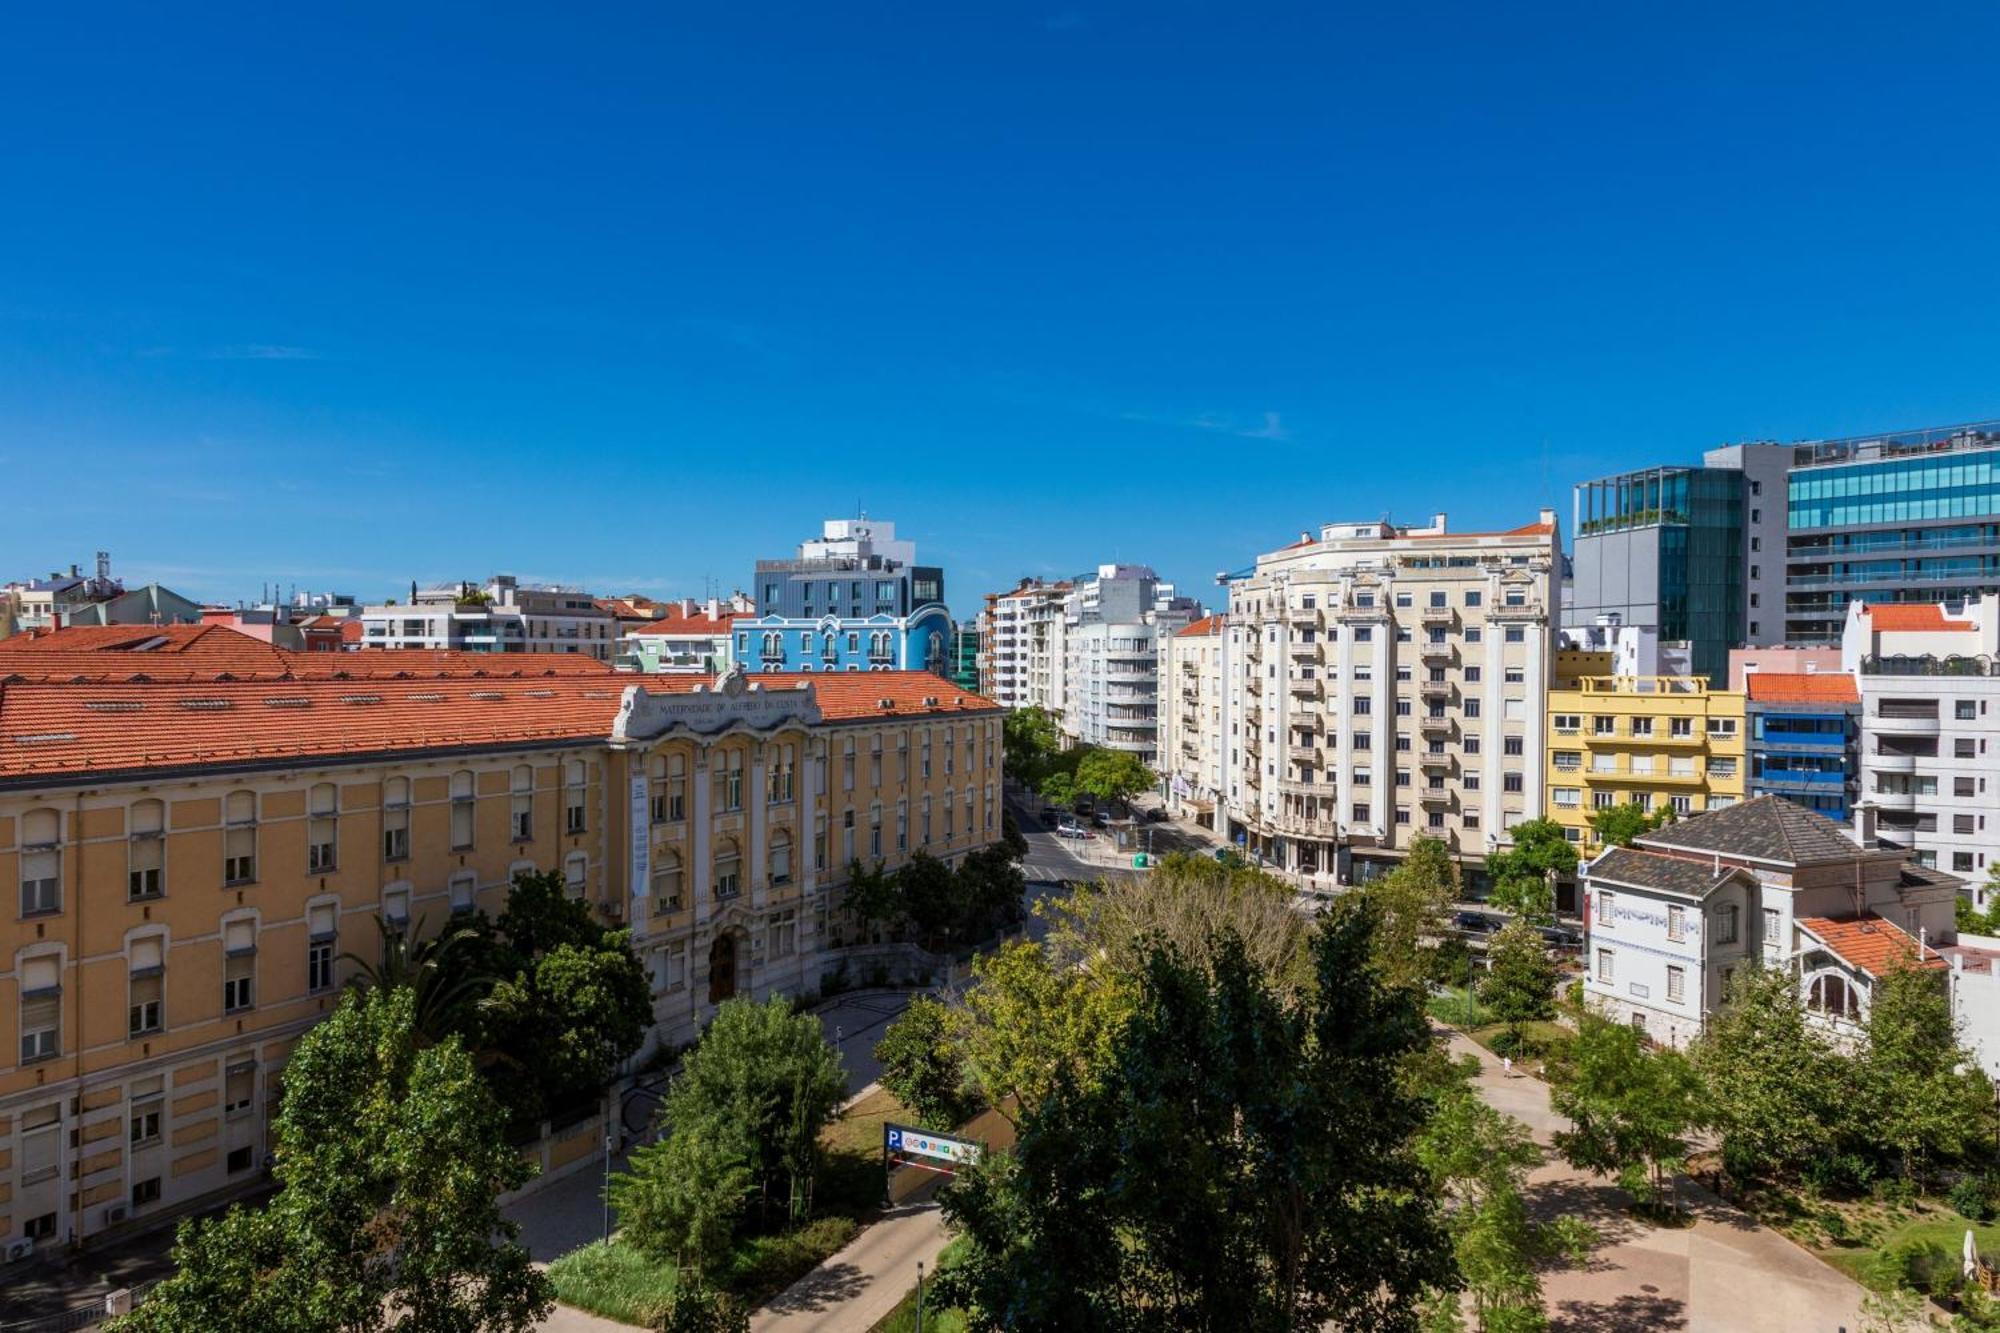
[[735, 699]]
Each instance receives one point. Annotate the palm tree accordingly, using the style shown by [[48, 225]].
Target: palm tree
[[445, 987]]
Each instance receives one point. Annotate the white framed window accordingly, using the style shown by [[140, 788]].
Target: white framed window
[[239, 1089], [1676, 922], [781, 858], [464, 797], [521, 803], [239, 838], [1676, 983], [239, 964], [396, 819], [146, 850], [322, 828], [575, 779], [146, 959], [41, 862], [40, 981], [396, 906], [463, 890], [322, 940], [782, 935], [666, 880], [576, 874], [1604, 966], [728, 869]]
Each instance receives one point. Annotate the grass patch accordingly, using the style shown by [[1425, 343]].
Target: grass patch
[[763, 1266], [1458, 1007], [1874, 1229], [613, 1280]]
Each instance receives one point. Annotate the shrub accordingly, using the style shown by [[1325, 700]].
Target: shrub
[[696, 1307], [1840, 1173], [1971, 1199], [768, 1264], [1920, 1265]]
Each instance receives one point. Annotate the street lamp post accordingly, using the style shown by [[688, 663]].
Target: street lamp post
[[608, 1140], [920, 1296]]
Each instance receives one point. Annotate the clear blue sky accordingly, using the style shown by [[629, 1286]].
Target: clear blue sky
[[632, 298]]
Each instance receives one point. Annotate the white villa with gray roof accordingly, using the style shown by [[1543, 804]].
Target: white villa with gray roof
[[1672, 917]]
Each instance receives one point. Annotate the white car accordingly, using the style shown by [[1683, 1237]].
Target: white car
[[1073, 830]]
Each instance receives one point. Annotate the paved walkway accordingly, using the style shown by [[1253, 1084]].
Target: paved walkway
[[1725, 1273]]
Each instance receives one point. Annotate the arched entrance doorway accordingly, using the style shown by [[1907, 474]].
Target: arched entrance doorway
[[721, 969]]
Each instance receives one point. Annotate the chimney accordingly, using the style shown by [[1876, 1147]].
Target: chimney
[[1548, 518], [1864, 825], [714, 609]]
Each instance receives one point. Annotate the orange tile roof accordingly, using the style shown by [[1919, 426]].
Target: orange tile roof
[[698, 624], [53, 729], [1912, 617], [848, 696], [1205, 626], [219, 652], [1868, 942], [1802, 687]]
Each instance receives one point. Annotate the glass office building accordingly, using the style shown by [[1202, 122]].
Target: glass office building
[[1911, 517], [1664, 548]]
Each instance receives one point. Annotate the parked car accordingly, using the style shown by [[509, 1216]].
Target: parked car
[[1051, 816], [1102, 819], [1072, 829], [1229, 856], [1562, 937], [1476, 923]]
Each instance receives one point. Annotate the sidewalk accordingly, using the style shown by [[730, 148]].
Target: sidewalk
[[1725, 1272]]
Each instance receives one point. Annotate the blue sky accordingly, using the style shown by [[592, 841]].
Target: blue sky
[[632, 297]]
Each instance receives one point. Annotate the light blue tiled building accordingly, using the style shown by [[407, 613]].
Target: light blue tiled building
[[852, 599]]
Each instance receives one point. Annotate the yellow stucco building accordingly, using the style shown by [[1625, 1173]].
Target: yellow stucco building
[[1668, 741], [192, 845]]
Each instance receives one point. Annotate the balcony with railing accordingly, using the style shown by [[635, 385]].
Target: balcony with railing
[[1435, 651], [1980, 665], [1436, 615]]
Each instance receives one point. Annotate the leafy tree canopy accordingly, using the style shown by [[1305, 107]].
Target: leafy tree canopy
[[1521, 871], [923, 1065], [1245, 1162], [390, 1158], [1618, 825]]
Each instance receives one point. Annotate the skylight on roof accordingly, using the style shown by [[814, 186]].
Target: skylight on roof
[[44, 737], [211, 705]]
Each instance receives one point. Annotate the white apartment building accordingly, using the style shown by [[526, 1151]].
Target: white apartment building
[[1387, 683], [1930, 726], [1671, 918], [1021, 645], [501, 617], [1112, 625], [1193, 701]]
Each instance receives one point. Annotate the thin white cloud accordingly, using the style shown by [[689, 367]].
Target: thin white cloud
[[1270, 426], [261, 352]]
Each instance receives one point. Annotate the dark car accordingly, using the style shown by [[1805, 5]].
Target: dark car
[[1051, 816], [1476, 923], [1562, 937]]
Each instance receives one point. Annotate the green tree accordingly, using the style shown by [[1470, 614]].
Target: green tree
[[1521, 872], [440, 971], [766, 1080], [1187, 902], [874, 894], [1520, 987], [571, 1004], [1030, 1025], [1058, 789], [681, 1197], [991, 886], [1630, 1107], [923, 1065], [1413, 906], [931, 895], [1246, 1164], [390, 1158], [1618, 825], [1478, 1161], [1778, 1097], [1030, 743], [1115, 776], [1927, 1100]]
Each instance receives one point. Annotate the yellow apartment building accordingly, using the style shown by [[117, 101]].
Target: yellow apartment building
[[189, 859], [1660, 740]]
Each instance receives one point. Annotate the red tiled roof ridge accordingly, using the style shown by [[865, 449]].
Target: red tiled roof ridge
[[1870, 942], [1912, 617], [1205, 626], [1801, 687]]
